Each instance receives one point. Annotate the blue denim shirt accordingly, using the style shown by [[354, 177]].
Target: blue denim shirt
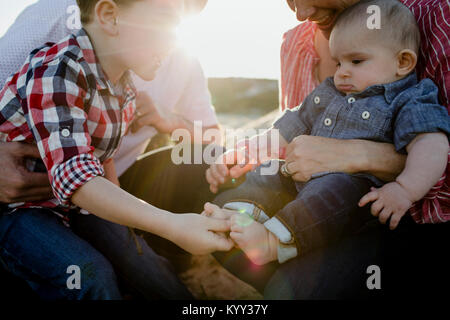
[[395, 113]]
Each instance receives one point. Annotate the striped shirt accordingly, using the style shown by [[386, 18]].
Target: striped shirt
[[299, 59]]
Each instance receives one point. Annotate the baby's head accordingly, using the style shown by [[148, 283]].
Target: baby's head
[[366, 57]]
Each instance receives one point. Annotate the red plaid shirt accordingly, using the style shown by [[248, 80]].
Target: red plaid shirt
[[298, 59], [61, 100]]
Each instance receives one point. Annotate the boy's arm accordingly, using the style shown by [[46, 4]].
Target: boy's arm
[[110, 171], [192, 232]]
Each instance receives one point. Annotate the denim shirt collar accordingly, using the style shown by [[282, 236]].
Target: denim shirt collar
[[389, 90]]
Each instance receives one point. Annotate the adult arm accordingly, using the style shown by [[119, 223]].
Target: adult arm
[[308, 155]]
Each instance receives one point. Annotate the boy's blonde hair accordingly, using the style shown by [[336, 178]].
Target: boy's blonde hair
[[399, 28], [87, 7]]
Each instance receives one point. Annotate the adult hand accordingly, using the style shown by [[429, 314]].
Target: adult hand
[[199, 234], [17, 184], [147, 114]]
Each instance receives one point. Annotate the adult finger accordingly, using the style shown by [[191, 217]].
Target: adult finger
[[28, 195], [368, 197], [23, 149], [385, 215], [32, 180]]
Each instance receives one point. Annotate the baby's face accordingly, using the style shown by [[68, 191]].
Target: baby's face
[[361, 65]]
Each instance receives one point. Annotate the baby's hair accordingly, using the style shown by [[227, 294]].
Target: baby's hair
[[398, 24], [87, 8]]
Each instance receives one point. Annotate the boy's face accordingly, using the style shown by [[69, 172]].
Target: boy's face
[[147, 34], [361, 64]]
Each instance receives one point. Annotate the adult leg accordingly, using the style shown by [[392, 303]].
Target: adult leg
[[147, 274], [37, 247]]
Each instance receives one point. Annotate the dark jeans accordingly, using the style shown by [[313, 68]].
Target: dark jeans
[[37, 247]]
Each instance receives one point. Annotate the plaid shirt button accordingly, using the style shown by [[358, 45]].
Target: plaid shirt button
[[65, 133]]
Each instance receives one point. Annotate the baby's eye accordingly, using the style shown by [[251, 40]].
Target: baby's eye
[[338, 64], [357, 61]]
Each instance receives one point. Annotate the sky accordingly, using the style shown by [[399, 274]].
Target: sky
[[231, 38]]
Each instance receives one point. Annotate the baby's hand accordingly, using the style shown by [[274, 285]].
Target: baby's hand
[[391, 201]]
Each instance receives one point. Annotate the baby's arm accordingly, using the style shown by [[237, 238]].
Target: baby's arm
[[110, 172], [426, 161]]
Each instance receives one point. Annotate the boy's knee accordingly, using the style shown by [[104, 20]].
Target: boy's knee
[[97, 280]]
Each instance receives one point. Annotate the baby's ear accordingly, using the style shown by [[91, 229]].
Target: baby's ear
[[406, 62]]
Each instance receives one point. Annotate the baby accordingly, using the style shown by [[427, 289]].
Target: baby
[[374, 95]]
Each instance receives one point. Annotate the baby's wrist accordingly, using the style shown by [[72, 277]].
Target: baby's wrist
[[408, 187]]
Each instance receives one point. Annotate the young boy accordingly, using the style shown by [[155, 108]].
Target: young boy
[[75, 100], [374, 95]]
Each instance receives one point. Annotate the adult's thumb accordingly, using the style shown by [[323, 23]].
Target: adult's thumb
[[27, 150]]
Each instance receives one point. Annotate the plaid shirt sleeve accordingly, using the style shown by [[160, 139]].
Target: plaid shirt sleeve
[[56, 93]]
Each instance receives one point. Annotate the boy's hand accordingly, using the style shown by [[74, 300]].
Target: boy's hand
[[199, 234], [390, 201]]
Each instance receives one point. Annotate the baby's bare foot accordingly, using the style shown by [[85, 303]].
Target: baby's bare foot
[[258, 243]]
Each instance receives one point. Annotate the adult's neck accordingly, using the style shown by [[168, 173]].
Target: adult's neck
[[107, 53]]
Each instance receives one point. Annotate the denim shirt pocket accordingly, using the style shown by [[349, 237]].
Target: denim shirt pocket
[[369, 122]]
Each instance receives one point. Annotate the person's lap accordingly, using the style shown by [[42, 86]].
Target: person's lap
[[37, 247]]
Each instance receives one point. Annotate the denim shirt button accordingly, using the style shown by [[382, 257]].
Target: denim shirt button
[[327, 122], [365, 115], [316, 99], [351, 100]]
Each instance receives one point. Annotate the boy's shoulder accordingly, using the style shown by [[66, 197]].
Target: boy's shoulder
[[68, 49]]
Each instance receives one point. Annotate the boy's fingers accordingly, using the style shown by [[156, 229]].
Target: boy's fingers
[[218, 225], [384, 215], [369, 197], [223, 244]]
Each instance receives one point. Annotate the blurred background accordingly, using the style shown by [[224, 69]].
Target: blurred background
[[238, 44]]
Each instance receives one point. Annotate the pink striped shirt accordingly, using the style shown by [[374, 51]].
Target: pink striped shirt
[[299, 59]]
